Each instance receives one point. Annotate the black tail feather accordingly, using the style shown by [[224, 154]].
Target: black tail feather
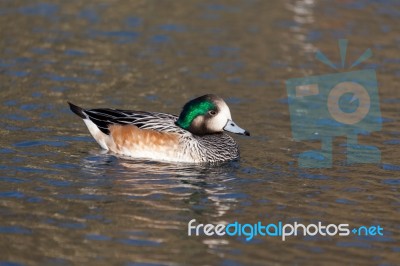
[[77, 110]]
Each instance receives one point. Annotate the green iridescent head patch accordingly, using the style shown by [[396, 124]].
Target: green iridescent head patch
[[193, 109]]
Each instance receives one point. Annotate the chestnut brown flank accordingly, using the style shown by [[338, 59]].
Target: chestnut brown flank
[[133, 137]]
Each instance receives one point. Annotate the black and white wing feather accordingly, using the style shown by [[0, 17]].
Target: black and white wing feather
[[103, 118]]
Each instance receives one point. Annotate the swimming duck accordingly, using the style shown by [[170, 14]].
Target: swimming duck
[[195, 136]]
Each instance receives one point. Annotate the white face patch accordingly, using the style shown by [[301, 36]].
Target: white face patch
[[218, 122]]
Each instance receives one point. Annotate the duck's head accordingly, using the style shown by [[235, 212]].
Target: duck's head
[[208, 114]]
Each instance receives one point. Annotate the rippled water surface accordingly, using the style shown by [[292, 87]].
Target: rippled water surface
[[64, 201]]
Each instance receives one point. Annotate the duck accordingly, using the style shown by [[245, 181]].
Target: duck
[[197, 135]]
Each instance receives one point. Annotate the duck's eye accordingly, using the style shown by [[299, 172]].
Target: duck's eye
[[212, 112]]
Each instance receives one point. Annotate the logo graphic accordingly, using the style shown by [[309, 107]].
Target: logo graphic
[[339, 104]]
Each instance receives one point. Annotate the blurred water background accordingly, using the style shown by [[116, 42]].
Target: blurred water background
[[63, 201]]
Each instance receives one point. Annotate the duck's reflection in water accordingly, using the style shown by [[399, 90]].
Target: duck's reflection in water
[[163, 194]]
